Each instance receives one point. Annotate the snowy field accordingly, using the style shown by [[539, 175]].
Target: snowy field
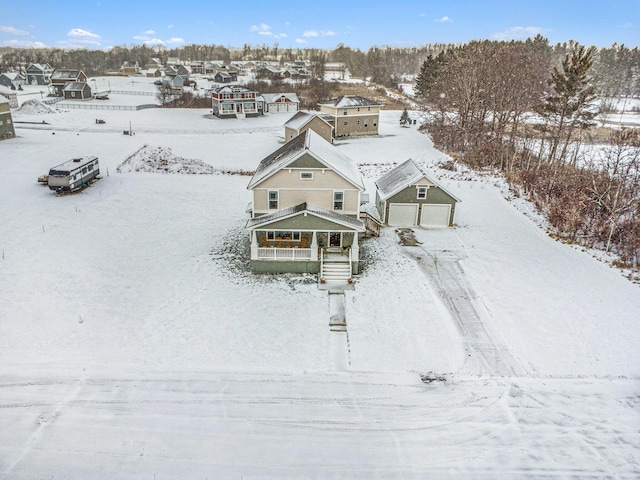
[[135, 344]]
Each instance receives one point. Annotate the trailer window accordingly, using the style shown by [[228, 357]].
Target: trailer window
[[84, 170], [90, 167]]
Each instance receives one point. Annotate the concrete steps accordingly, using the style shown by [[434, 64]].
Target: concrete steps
[[336, 272]]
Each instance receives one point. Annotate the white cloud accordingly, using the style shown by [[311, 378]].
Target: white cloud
[[80, 33], [628, 25], [152, 42], [280, 35], [149, 32], [263, 27], [444, 19], [175, 40], [319, 33], [23, 44], [519, 33], [13, 30], [301, 41], [170, 26], [265, 32]]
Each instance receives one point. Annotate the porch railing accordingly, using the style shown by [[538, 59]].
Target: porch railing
[[273, 253]]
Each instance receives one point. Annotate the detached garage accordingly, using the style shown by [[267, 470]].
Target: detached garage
[[406, 196]]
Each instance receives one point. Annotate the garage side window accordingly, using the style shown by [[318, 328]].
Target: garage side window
[[422, 193]]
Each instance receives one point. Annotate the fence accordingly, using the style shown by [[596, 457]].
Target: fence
[[93, 106], [133, 92]]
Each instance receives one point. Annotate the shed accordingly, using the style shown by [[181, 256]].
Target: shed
[[77, 91], [407, 196]]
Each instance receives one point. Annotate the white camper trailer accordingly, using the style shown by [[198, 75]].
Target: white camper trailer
[[73, 174]]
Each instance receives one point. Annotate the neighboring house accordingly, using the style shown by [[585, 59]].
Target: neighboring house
[[280, 102], [268, 72], [152, 73], [173, 61], [12, 78], [223, 77], [353, 115], [6, 122], [77, 91], [61, 77], [197, 67], [130, 68], [305, 209], [153, 63], [407, 196], [10, 95], [235, 101], [39, 73], [335, 71], [303, 121], [174, 82]]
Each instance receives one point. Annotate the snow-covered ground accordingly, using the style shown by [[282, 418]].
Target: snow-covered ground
[[135, 344]]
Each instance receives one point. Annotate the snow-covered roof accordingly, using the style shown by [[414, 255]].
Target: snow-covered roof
[[299, 120], [12, 75], [345, 101], [3, 99], [7, 91], [319, 148], [64, 74], [402, 176], [348, 222], [272, 97], [75, 86], [232, 88]]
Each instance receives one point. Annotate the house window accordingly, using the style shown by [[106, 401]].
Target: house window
[[344, 111], [368, 109], [271, 235], [422, 192], [273, 200], [73, 94], [345, 123], [375, 123], [366, 123], [306, 175], [338, 200]]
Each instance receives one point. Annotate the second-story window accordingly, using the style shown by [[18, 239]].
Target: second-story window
[[422, 192], [344, 111], [273, 200], [338, 200], [306, 175]]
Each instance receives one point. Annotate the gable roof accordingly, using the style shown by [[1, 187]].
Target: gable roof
[[40, 66], [3, 99], [65, 74], [403, 176], [319, 148], [7, 91], [272, 97], [12, 75], [75, 86], [348, 222], [345, 101], [300, 119], [232, 88]]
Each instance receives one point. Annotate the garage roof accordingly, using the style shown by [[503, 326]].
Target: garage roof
[[403, 176]]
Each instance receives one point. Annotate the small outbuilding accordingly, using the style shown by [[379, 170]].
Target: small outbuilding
[[407, 196], [77, 91]]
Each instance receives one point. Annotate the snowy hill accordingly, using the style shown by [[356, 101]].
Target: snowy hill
[[134, 342]]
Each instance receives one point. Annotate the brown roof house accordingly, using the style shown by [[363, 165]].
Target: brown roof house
[[305, 211], [6, 122], [303, 121], [353, 115]]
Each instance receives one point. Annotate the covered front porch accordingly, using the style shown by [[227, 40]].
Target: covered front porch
[[300, 239]]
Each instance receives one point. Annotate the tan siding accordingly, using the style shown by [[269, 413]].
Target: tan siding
[[328, 179]]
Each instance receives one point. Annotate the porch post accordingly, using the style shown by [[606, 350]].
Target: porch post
[[254, 245], [314, 247], [355, 248]]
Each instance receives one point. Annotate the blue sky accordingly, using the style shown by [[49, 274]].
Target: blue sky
[[319, 24]]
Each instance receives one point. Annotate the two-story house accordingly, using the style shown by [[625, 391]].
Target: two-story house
[[6, 122], [235, 101], [12, 79], [62, 77], [353, 115], [305, 210], [39, 73]]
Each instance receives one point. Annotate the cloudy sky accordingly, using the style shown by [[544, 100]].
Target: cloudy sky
[[320, 24]]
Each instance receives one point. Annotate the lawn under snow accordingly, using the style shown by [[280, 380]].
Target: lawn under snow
[[134, 342]]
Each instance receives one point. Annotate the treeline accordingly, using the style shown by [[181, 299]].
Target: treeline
[[515, 108]]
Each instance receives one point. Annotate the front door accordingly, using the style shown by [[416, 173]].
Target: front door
[[238, 107], [335, 239]]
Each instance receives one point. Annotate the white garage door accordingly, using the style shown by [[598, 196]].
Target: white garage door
[[435, 215], [401, 215]]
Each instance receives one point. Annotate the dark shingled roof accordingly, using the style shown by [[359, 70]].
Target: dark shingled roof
[[348, 222]]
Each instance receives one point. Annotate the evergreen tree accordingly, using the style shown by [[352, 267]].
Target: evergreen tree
[[404, 118], [429, 74], [569, 105]]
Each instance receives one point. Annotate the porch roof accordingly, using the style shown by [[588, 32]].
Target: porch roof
[[343, 220]]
